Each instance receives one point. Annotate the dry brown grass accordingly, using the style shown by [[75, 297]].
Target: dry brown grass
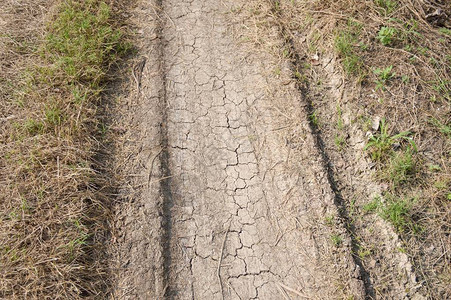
[[54, 205]]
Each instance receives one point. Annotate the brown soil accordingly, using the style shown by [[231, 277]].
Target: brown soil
[[227, 195]]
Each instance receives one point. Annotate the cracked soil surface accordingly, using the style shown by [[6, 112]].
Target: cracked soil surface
[[227, 196]]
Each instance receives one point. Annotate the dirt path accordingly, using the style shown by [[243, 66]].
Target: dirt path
[[229, 197]]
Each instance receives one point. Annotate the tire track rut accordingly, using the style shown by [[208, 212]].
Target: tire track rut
[[166, 180], [303, 87]]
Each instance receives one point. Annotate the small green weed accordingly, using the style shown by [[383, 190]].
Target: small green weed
[[314, 119], [442, 87], [405, 79], [423, 51], [380, 145], [386, 35], [340, 142], [79, 94], [336, 239], [442, 184], [384, 75], [53, 115], [345, 43], [352, 63], [410, 33], [387, 6], [395, 210], [33, 127], [401, 168], [74, 246], [364, 251], [298, 75], [372, 205], [340, 124], [445, 31], [330, 220], [443, 128], [352, 210], [434, 168]]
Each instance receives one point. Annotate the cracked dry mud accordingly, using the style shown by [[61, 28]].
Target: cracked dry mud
[[227, 196]]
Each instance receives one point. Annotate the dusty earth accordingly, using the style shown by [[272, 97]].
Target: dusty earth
[[226, 193]]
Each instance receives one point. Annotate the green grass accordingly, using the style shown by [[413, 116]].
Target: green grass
[[386, 35], [347, 47], [398, 167], [336, 239], [314, 119], [340, 142], [330, 220], [380, 146], [387, 6], [345, 42], [363, 251], [401, 168], [82, 42], [405, 79], [443, 128], [53, 115], [445, 31], [384, 75], [434, 168], [397, 211], [33, 127], [340, 123], [443, 88]]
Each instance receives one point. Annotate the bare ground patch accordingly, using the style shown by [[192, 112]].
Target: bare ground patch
[[227, 195]]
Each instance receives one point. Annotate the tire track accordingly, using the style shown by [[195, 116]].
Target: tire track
[[303, 87], [165, 181], [239, 212]]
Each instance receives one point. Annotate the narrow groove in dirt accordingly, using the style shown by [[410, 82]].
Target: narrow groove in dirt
[[339, 201], [304, 89], [165, 182]]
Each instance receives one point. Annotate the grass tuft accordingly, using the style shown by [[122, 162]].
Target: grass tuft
[[398, 211], [387, 6], [401, 168], [82, 42], [380, 146], [386, 35], [345, 45]]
